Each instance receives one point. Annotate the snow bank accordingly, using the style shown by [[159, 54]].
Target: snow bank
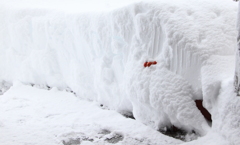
[[100, 56]]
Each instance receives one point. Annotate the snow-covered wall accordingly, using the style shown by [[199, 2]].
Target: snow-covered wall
[[100, 56]]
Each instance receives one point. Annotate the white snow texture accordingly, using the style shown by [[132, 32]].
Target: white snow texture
[[100, 55]]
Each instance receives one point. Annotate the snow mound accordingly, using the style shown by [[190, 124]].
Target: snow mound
[[166, 99], [100, 56]]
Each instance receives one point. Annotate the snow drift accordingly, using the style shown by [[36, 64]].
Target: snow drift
[[100, 56]]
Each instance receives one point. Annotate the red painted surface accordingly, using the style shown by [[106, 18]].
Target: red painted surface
[[148, 64], [145, 64], [154, 62]]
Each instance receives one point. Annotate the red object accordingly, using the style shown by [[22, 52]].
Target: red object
[[145, 64], [154, 62], [149, 64]]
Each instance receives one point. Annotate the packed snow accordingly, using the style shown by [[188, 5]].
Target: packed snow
[[98, 54]]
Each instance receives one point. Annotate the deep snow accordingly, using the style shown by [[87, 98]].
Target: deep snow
[[100, 56]]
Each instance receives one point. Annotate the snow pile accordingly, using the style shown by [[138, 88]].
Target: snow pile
[[225, 115], [164, 97], [100, 56]]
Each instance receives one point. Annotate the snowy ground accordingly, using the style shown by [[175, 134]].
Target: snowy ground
[[32, 116], [35, 116]]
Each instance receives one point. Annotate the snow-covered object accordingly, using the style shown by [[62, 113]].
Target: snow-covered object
[[225, 114], [100, 55], [165, 97]]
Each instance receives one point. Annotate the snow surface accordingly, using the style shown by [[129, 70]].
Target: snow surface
[[100, 56], [32, 116]]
